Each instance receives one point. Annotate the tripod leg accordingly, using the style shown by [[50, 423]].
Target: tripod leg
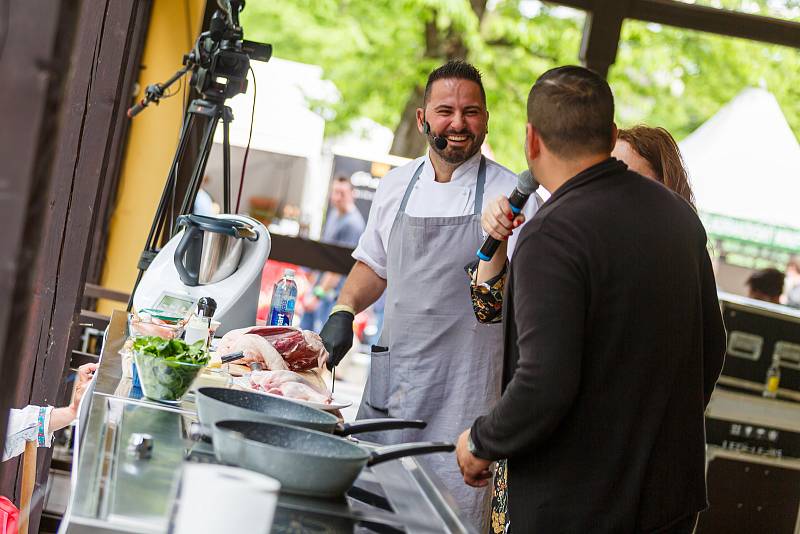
[[226, 161], [200, 164], [162, 212]]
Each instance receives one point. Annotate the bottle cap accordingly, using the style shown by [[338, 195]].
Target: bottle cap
[[289, 273], [206, 307]]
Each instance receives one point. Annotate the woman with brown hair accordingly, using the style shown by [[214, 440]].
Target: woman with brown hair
[[651, 152]]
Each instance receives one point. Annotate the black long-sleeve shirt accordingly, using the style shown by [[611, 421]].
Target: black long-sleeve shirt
[[614, 341]]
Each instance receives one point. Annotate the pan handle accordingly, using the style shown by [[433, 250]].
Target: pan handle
[[392, 452], [384, 423], [200, 432]]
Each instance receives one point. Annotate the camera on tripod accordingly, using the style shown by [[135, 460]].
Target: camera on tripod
[[219, 62], [222, 55]]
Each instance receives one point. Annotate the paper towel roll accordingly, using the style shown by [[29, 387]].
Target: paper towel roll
[[218, 498]]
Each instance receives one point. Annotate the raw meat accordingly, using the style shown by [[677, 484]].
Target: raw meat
[[301, 349], [256, 349], [266, 380], [225, 345], [299, 391]]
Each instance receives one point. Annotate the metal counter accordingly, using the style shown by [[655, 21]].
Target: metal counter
[[112, 491]]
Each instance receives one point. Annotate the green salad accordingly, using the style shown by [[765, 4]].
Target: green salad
[[167, 367]]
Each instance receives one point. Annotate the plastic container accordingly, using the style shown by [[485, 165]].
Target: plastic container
[[164, 380], [284, 296]]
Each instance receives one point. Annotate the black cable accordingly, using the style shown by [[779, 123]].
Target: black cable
[[249, 138], [184, 117], [4, 25]]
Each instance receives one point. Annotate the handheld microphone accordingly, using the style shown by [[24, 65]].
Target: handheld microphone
[[526, 185], [439, 141]]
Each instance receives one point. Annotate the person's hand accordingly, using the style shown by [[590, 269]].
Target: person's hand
[[475, 470], [337, 336], [82, 380], [498, 220]]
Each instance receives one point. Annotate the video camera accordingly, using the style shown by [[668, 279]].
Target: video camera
[[222, 56], [218, 62]]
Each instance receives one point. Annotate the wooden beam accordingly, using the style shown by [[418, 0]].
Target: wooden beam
[[706, 19], [719, 21], [601, 33], [108, 196], [312, 254]]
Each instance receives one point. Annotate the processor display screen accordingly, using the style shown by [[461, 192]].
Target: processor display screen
[[177, 304]]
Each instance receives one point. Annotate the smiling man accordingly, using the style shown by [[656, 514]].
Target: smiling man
[[434, 361]]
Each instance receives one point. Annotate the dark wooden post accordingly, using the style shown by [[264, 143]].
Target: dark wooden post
[[81, 155], [601, 33], [35, 48]]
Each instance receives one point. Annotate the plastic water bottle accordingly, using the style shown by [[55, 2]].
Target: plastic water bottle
[[284, 296]]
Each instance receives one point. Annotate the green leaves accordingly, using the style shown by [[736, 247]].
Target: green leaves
[[377, 51], [174, 350]]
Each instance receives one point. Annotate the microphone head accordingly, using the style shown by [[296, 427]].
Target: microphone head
[[526, 183], [440, 142]]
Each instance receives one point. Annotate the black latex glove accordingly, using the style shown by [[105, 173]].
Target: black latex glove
[[337, 336]]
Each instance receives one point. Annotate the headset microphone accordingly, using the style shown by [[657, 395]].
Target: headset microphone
[[439, 141]]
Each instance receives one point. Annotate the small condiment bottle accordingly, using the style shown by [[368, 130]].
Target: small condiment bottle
[[199, 325]]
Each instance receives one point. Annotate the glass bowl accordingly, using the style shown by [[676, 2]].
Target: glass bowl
[[164, 380]]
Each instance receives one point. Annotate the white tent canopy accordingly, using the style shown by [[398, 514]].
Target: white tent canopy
[[745, 162]]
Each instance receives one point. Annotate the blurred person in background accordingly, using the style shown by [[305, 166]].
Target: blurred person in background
[[203, 203], [766, 285], [792, 283], [344, 225]]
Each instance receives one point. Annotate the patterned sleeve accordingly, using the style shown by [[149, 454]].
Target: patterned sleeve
[[29, 424], [487, 298]]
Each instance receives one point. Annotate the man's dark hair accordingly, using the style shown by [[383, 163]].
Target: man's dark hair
[[455, 68], [767, 281], [572, 109], [342, 179]]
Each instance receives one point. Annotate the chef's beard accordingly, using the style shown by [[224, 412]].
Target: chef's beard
[[456, 156]]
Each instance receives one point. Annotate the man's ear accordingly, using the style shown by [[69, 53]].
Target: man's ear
[[532, 142], [420, 120]]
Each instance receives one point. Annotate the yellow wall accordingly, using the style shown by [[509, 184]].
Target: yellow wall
[[153, 136]]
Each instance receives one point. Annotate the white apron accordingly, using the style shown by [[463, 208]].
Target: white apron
[[435, 361]]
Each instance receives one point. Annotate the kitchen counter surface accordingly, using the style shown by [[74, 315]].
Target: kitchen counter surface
[[113, 491]]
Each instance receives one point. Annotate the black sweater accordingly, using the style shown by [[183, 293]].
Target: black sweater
[[613, 343]]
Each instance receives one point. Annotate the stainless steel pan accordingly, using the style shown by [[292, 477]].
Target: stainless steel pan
[[305, 461], [218, 404]]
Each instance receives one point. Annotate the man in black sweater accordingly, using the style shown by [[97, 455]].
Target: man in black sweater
[[613, 337]]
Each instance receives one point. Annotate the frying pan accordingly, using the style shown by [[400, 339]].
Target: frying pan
[[305, 461], [217, 404]]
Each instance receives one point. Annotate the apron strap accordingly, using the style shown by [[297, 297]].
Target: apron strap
[[410, 188], [479, 187]]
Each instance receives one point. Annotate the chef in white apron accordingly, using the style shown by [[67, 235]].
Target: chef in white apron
[[434, 361]]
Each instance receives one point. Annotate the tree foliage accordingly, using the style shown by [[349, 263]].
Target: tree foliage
[[378, 51]]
